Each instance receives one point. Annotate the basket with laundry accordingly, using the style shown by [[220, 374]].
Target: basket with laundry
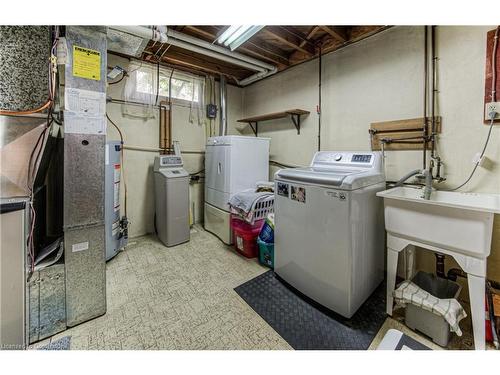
[[249, 210], [431, 306]]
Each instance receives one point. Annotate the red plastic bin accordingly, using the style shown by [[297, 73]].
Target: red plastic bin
[[245, 237]]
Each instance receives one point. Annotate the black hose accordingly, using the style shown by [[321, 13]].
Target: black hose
[[319, 98], [279, 164]]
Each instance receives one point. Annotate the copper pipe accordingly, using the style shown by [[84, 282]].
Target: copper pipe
[[169, 145]]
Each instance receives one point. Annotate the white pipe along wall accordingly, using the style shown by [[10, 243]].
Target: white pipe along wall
[[381, 79], [200, 46]]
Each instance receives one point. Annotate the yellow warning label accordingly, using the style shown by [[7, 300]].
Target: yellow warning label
[[86, 63]]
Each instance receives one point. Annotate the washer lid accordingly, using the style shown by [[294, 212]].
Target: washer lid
[[314, 175]]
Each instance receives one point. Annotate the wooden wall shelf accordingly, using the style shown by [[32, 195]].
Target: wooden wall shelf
[[293, 113]]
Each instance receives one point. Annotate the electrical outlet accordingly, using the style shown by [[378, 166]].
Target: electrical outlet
[[492, 106]]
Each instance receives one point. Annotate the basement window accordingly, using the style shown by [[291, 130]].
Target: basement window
[[185, 87]]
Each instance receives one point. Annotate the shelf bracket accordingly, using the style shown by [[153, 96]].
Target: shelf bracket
[[296, 121], [255, 127]]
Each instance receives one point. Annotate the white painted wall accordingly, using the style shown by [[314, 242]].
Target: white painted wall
[[145, 133], [381, 79]]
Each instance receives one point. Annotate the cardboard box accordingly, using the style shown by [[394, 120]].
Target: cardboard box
[[496, 303]]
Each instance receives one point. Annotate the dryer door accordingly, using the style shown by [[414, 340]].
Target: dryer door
[[217, 167]]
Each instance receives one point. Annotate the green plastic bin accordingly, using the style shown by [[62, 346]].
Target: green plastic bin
[[266, 253]]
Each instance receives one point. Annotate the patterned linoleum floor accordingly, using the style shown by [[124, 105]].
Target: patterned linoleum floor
[[182, 298], [176, 298]]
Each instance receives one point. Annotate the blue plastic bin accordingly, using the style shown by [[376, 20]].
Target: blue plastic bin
[[266, 253]]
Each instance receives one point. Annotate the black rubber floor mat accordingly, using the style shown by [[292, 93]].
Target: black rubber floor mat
[[304, 324]]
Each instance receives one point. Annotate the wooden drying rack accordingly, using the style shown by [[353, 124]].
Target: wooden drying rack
[[402, 134]]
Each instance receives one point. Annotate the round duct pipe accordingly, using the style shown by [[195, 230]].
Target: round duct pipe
[[202, 47]]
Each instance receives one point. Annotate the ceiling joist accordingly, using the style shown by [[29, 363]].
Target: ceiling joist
[[289, 39], [338, 33], [281, 46]]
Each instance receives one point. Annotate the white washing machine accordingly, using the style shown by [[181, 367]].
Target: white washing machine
[[329, 228]]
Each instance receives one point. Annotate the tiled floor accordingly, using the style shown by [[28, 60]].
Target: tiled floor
[[177, 298], [183, 298]]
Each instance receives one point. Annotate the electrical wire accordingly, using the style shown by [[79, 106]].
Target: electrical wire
[[492, 121], [279, 164], [122, 164], [492, 115], [197, 173], [124, 74]]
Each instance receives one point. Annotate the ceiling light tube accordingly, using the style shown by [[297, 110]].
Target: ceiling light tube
[[245, 36], [241, 30], [226, 34]]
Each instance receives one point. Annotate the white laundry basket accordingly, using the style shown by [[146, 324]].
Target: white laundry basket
[[259, 212]]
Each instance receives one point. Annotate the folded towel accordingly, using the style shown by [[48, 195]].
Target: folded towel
[[245, 200], [450, 309]]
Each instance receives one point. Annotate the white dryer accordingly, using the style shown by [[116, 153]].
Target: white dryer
[[329, 228], [232, 164]]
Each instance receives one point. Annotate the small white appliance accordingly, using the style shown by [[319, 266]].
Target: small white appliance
[[171, 200], [329, 228], [232, 164]]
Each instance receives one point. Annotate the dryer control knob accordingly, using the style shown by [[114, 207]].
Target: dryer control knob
[[338, 157]]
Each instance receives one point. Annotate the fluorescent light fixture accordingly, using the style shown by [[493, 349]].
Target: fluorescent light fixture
[[239, 32], [236, 35], [226, 34]]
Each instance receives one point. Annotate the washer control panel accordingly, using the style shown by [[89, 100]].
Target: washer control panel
[[170, 161], [361, 158], [344, 158]]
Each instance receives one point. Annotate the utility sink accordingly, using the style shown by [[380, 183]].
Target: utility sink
[[460, 222], [455, 224]]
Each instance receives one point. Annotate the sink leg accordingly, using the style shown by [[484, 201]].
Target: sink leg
[[410, 262], [392, 269], [476, 296]]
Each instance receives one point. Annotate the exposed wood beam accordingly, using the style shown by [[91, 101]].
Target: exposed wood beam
[[361, 32], [304, 39], [310, 34], [200, 31], [336, 33], [289, 39], [267, 50]]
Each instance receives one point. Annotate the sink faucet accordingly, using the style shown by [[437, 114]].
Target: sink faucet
[[425, 173], [428, 184]]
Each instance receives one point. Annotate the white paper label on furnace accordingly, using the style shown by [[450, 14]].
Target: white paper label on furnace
[[116, 191], [76, 123], [88, 102], [79, 247]]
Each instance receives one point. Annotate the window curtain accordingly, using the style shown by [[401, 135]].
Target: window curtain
[[140, 87], [197, 113]]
